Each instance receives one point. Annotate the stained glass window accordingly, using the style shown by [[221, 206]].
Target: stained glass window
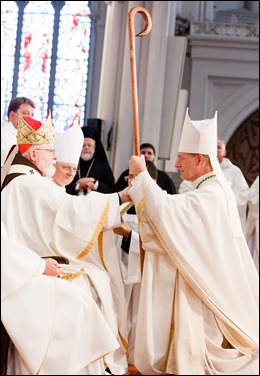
[[35, 55], [72, 63], [9, 16], [51, 68]]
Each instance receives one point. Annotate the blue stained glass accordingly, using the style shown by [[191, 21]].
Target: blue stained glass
[[35, 56], [72, 63], [29, 73], [9, 16]]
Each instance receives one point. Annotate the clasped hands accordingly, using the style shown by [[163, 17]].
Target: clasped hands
[[136, 165], [86, 183]]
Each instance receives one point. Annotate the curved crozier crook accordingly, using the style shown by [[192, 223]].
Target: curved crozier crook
[[147, 19], [145, 31]]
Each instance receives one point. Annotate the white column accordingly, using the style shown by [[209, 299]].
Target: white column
[[206, 11]]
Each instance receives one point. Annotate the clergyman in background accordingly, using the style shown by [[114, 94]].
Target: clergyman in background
[[18, 105], [94, 172]]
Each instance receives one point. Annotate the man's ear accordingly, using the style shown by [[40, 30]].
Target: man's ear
[[199, 158], [11, 116], [32, 155]]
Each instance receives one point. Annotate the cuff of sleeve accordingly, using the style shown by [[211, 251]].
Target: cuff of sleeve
[[119, 198], [137, 191], [126, 243], [42, 266]]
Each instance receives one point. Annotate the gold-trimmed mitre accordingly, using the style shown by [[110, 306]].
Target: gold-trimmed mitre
[[33, 132]]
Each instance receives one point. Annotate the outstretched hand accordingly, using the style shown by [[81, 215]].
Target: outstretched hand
[[124, 195], [123, 230]]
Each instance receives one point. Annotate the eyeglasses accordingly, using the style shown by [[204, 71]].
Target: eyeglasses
[[130, 177], [50, 150]]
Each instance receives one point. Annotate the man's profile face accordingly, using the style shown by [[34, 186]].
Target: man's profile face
[[44, 157], [187, 166], [148, 154]]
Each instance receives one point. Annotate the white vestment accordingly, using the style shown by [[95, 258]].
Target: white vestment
[[50, 321], [51, 222], [99, 268], [199, 303], [238, 183], [131, 276], [8, 138], [253, 221]]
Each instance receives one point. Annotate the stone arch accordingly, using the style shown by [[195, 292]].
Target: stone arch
[[236, 109]]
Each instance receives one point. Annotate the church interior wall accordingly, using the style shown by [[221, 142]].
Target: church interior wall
[[220, 73]]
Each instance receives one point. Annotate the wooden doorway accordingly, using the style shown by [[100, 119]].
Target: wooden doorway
[[243, 147]]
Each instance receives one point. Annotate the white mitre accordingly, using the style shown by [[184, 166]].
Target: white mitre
[[68, 144]]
